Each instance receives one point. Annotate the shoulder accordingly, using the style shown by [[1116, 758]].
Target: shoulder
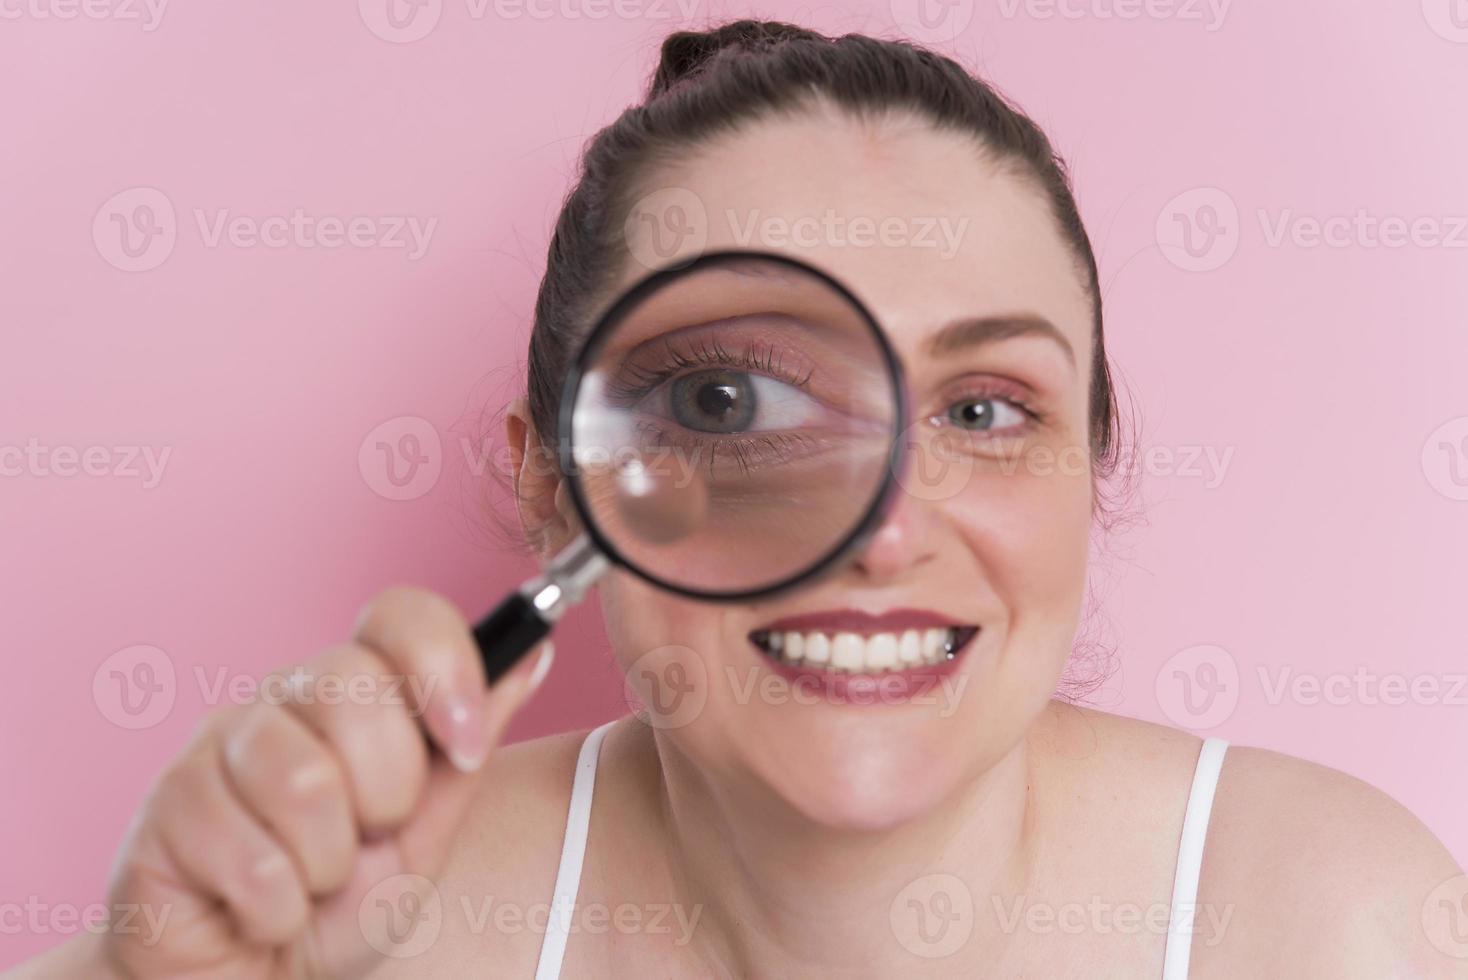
[[1319, 873], [500, 874], [1307, 871]]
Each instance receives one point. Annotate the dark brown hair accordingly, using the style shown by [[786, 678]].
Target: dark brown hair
[[709, 82]]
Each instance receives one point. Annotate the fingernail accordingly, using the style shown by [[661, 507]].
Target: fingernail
[[542, 667], [464, 737]]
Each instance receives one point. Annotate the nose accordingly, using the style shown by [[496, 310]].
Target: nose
[[904, 540]]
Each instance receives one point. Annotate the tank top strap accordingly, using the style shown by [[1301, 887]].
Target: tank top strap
[[1190, 860], [573, 854]]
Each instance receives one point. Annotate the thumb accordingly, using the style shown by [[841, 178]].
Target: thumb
[[424, 840], [413, 859]]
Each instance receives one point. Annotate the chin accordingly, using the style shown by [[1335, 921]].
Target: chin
[[845, 789]]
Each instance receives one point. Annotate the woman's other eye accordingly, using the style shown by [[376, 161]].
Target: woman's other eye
[[988, 414]]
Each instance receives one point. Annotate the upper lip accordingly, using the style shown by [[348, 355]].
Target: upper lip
[[859, 621]]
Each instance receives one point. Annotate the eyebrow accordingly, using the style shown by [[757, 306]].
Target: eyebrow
[[975, 331]]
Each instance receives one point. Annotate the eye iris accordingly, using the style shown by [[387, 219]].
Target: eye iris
[[714, 401], [978, 414]]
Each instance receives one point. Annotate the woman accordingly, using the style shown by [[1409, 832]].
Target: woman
[[988, 829]]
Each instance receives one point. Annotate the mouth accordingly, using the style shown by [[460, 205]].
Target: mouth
[[856, 643]]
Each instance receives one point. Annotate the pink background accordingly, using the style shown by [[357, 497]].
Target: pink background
[[1335, 541]]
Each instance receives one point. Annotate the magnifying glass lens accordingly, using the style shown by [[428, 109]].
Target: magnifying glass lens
[[732, 426]]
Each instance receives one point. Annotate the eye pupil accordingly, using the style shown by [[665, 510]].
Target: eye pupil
[[717, 400], [973, 414], [714, 401]]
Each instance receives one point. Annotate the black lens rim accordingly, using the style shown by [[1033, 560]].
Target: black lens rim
[[876, 507]]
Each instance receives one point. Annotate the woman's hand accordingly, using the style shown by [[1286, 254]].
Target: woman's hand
[[264, 838]]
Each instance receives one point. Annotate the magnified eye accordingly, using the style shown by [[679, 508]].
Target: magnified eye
[[984, 414], [722, 401], [714, 401]]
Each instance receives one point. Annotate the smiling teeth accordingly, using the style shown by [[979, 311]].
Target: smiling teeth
[[854, 653]]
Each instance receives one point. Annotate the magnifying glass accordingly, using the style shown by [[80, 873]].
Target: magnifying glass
[[728, 431]]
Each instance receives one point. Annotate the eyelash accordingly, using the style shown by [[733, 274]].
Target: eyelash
[[997, 389], [639, 382]]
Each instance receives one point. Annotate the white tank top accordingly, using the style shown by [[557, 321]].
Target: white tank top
[[1184, 883]]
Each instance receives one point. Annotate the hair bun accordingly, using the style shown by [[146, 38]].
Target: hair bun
[[686, 53]]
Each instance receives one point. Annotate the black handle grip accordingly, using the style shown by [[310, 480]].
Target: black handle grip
[[505, 634]]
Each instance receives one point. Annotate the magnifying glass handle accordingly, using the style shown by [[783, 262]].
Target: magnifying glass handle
[[526, 615], [508, 632]]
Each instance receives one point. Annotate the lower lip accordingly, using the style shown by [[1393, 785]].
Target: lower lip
[[888, 687]]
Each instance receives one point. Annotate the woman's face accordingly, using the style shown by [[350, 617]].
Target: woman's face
[[997, 543]]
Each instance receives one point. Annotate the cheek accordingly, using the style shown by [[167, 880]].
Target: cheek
[[1031, 528], [651, 631]]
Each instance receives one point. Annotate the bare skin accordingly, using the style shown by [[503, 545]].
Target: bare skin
[[773, 839]]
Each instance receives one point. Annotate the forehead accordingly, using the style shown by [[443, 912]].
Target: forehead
[[916, 221]]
